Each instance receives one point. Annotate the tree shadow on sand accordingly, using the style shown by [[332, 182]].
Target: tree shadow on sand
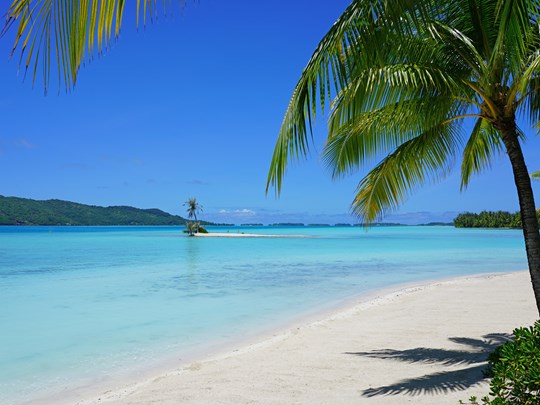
[[473, 357]]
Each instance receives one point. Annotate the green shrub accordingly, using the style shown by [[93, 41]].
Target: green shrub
[[515, 370], [202, 230]]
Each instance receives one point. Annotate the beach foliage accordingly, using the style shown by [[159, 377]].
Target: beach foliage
[[490, 219], [514, 369], [411, 87], [58, 36], [193, 208], [202, 229], [194, 227]]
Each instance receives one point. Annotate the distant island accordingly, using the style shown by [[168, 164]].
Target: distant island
[[287, 224], [380, 224], [490, 219], [25, 211]]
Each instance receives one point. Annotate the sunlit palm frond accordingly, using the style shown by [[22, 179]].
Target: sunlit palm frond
[[443, 60], [483, 144], [380, 131], [410, 68], [59, 35], [478, 23], [458, 42], [427, 157], [524, 83], [515, 18], [525, 88], [356, 39]]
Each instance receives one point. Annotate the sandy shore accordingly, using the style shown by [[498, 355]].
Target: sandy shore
[[421, 345], [246, 235]]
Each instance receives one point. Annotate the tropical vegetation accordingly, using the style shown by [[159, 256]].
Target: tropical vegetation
[[25, 211], [193, 208], [414, 84], [489, 219], [514, 369], [55, 37]]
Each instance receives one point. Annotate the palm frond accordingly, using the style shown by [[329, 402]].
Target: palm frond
[[516, 22], [59, 35], [380, 131], [524, 67], [479, 151], [458, 42], [402, 83], [411, 68], [531, 99], [479, 24], [356, 39], [427, 157]]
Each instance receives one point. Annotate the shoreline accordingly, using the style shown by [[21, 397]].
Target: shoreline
[[247, 352], [247, 235]]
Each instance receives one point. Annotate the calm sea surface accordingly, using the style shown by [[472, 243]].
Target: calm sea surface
[[79, 304]]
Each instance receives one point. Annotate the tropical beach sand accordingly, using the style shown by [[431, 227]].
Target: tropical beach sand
[[421, 345], [247, 235]]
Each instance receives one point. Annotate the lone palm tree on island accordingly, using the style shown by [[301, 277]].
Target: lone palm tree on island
[[193, 208], [403, 76]]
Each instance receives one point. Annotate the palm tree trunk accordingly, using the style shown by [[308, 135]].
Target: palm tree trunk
[[526, 205]]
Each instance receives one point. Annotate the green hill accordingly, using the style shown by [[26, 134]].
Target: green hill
[[24, 211]]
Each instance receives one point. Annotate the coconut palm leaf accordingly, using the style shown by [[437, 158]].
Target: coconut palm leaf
[[427, 157], [395, 70], [379, 132], [59, 35], [402, 77], [351, 43], [484, 143]]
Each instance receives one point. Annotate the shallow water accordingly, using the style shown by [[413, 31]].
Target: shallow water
[[79, 304]]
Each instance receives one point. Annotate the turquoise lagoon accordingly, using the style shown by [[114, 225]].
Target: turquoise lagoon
[[81, 305]]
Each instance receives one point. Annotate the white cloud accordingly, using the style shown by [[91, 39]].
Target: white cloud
[[24, 143], [197, 182], [238, 213], [15, 143], [265, 216]]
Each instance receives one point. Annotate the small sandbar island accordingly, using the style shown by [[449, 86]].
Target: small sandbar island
[[247, 235]]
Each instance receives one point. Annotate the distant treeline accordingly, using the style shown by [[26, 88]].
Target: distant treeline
[[490, 219], [24, 211]]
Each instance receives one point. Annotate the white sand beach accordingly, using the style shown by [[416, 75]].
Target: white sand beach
[[421, 345], [247, 235]]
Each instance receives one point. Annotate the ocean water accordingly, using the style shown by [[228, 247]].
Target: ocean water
[[79, 305]]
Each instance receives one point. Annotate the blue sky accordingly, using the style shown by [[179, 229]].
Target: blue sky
[[191, 106]]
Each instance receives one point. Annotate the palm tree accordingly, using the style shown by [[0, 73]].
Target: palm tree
[[193, 208], [67, 32], [403, 76], [535, 175]]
